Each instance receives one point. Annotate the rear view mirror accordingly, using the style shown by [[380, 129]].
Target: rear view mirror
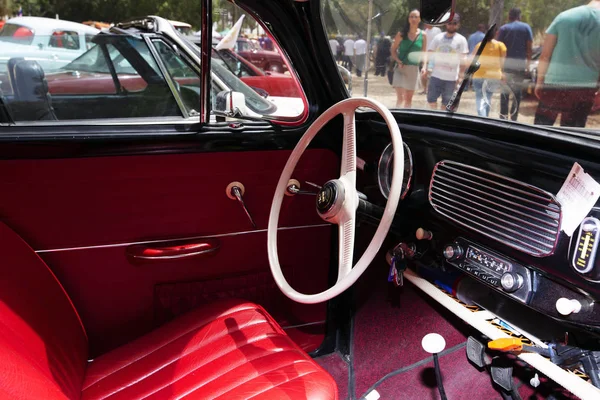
[[230, 104], [437, 12]]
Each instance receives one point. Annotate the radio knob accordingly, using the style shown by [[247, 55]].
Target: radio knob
[[511, 282], [452, 252]]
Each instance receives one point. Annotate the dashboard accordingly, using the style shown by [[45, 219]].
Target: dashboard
[[492, 212]]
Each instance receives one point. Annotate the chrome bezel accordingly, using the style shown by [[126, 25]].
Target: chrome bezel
[[384, 167]]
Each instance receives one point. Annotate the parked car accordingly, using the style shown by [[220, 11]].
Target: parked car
[[273, 83], [51, 42], [265, 59]]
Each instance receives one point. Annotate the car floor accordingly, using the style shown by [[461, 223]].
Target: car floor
[[386, 353]]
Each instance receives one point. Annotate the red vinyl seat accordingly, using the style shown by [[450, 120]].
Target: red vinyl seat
[[228, 350]]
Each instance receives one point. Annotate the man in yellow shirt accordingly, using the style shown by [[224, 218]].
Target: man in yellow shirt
[[487, 80]]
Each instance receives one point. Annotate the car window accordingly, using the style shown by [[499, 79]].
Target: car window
[[64, 40], [15, 33], [542, 68], [274, 94], [236, 64], [116, 78], [187, 81]]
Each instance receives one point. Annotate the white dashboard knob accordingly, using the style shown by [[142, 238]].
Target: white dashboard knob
[[566, 306], [535, 381], [433, 343]]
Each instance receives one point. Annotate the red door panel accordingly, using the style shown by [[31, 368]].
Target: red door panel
[[82, 215]]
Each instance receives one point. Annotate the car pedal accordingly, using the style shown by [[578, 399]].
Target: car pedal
[[476, 352], [503, 377]]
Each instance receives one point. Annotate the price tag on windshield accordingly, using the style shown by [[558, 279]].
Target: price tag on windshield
[[577, 196]]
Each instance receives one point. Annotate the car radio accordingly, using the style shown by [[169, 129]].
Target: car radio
[[490, 267]]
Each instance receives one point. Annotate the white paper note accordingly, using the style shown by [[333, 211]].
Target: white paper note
[[577, 196]]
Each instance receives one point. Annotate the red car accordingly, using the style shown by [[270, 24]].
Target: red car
[[274, 83], [269, 81], [265, 59]]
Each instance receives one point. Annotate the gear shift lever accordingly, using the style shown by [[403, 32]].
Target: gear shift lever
[[434, 343]]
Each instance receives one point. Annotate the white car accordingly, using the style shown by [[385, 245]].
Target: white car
[[53, 43]]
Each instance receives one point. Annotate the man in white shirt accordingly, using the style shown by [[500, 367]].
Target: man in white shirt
[[430, 33], [360, 53], [449, 52], [333, 43], [348, 53]]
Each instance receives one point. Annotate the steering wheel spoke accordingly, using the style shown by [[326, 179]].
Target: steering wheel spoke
[[346, 248], [349, 147]]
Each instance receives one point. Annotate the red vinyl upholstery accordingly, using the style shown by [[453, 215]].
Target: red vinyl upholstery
[[43, 346], [227, 350]]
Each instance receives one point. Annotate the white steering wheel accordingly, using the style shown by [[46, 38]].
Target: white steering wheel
[[337, 200]]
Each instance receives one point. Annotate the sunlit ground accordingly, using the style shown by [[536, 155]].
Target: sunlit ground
[[380, 89]]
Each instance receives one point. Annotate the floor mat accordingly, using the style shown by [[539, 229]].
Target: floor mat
[[462, 381], [388, 330], [338, 368]]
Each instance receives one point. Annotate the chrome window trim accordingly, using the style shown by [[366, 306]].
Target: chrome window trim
[[166, 74]]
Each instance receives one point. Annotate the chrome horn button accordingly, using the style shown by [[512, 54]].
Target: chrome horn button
[[330, 199]]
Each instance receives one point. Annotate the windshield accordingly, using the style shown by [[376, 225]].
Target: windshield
[[93, 60], [541, 68]]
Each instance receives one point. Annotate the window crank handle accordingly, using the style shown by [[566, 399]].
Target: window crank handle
[[237, 193]]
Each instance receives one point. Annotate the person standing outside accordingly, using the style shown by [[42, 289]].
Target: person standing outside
[[486, 80], [407, 51], [476, 37], [518, 38], [569, 67], [333, 43], [382, 54], [430, 32], [349, 52], [448, 53], [360, 55]]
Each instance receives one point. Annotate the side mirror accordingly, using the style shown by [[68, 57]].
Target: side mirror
[[230, 104], [437, 12]]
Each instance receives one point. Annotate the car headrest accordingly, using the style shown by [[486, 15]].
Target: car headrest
[[30, 86]]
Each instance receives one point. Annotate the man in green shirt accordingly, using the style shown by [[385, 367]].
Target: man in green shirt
[[569, 67]]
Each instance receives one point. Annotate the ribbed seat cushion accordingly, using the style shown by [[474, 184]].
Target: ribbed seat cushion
[[227, 350]]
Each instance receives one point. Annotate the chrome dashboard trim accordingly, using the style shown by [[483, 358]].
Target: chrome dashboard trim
[[383, 168], [514, 213]]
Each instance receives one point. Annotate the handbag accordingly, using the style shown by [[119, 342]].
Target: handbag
[[392, 66]]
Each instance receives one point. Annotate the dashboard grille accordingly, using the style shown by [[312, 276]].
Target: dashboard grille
[[512, 212]]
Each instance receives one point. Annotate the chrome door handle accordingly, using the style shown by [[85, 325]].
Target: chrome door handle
[[172, 250], [235, 191]]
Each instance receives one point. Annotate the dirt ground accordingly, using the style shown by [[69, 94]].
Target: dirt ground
[[380, 89]]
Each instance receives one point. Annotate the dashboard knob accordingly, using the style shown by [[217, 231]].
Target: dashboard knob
[[452, 252], [511, 282], [566, 306], [423, 234]]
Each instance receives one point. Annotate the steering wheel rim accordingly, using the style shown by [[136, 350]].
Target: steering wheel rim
[[339, 207]]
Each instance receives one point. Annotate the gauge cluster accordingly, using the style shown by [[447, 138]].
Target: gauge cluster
[[385, 168]]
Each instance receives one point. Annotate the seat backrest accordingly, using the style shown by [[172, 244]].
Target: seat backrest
[[43, 345], [30, 89]]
